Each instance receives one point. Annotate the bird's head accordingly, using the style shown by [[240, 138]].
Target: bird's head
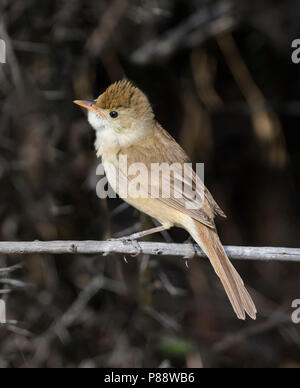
[[122, 113]]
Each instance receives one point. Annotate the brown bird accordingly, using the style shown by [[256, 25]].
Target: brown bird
[[126, 127]]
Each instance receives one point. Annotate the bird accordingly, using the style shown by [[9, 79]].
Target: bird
[[126, 127]]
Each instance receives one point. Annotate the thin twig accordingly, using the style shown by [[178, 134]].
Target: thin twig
[[265, 120], [12, 59], [203, 24], [15, 283], [276, 320], [13, 268], [107, 24], [60, 327], [147, 248]]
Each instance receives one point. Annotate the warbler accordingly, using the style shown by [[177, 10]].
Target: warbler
[[125, 126]]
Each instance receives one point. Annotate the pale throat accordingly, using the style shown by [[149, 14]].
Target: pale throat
[[111, 139], [106, 139]]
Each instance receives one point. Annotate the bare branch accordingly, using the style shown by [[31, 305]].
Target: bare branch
[[17, 284], [13, 61], [194, 30], [148, 248], [13, 268], [107, 24]]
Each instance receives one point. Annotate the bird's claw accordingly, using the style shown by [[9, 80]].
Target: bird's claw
[[137, 247], [128, 240]]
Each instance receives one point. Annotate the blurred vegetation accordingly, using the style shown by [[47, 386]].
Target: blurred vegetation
[[221, 80]]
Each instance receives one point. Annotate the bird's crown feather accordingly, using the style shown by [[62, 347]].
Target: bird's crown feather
[[124, 94]]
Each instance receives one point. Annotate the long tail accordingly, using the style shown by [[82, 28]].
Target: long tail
[[239, 297]]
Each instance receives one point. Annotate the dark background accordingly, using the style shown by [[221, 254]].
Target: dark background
[[221, 80]]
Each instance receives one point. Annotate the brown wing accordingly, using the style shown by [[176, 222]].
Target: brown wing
[[187, 192]]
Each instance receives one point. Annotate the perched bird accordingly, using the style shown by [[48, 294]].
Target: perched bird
[[126, 127]]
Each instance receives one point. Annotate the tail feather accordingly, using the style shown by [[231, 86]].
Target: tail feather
[[239, 297]]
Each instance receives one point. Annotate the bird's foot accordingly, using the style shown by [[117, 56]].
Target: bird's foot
[[129, 240]]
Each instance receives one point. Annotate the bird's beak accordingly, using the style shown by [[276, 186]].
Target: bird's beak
[[90, 105]]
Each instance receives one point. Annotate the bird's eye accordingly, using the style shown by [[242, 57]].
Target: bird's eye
[[114, 114]]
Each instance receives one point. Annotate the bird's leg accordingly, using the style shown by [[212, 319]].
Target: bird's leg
[[139, 235], [136, 236]]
